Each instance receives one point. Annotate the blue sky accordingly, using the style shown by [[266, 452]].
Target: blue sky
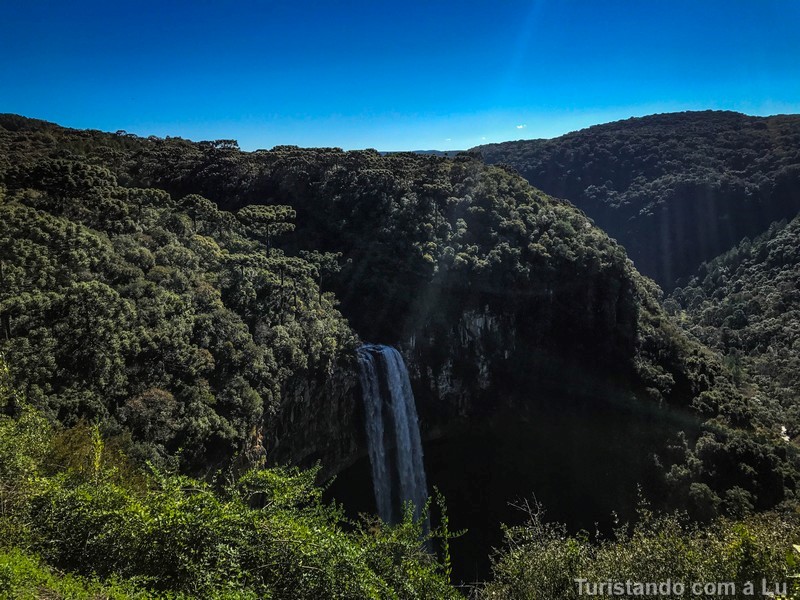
[[391, 75]]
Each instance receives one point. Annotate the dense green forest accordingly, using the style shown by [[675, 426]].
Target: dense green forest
[[167, 319], [674, 189], [164, 304], [746, 303]]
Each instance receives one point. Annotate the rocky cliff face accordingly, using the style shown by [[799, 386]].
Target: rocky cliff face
[[453, 371], [464, 368], [321, 420], [503, 418]]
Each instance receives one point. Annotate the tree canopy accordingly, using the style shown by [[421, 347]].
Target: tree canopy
[[674, 189]]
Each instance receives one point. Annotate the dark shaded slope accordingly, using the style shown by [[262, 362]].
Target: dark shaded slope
[[674, 189]]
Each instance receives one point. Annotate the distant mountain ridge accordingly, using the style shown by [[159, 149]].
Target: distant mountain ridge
[[674, 189], [444, 153]]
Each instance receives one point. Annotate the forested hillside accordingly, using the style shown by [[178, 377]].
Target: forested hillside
[[132, 299], [196, 307], [674, 189], [167, 319], [746, 303]]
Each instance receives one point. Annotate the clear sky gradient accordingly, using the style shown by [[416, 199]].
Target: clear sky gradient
[[391, 75]]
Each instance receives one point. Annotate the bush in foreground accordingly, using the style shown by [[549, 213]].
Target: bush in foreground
[[542, 561], [72, 504]]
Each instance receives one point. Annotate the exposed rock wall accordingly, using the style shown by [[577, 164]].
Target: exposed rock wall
[[466, 363], [321, 420]]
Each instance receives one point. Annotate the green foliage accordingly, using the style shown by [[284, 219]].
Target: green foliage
[[266, 534], [168, 320], [674, 189], [266, 221], [746, 304], [542, 561], [24, 577]]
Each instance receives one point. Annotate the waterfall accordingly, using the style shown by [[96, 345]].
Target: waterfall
[[395, 447], [373, 407]]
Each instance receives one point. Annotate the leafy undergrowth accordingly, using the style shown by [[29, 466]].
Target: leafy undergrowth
[[80, 521], [23, 576], [541, 561]]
